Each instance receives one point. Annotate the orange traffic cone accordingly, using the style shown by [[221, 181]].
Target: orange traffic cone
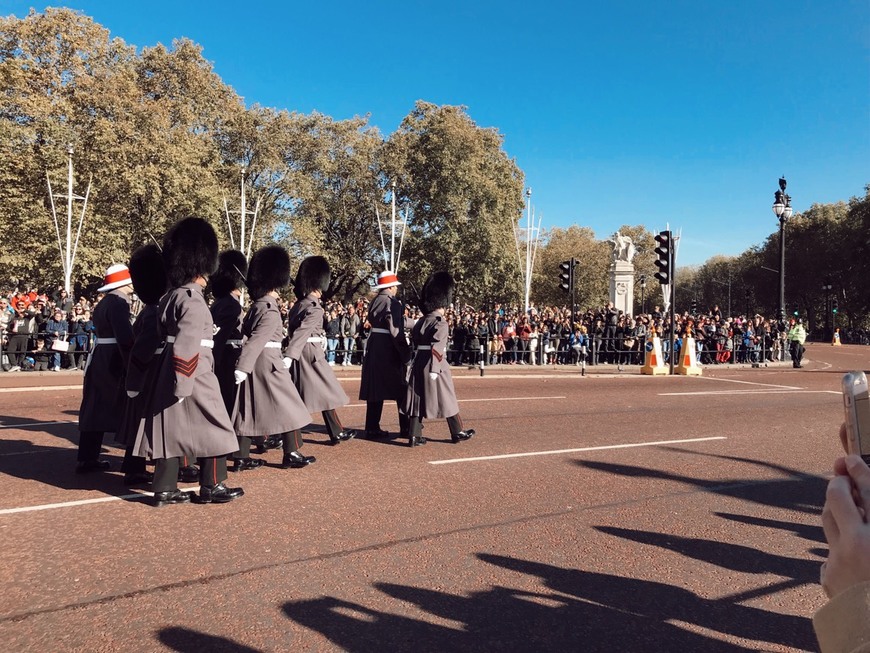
[[654, 363], [688, 361], [836, 341]]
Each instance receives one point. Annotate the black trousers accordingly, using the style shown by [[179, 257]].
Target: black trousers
[[212, 470], [374, 410], [90, 445], [415, 427], [292, 441], [333, 425], [244, 447]]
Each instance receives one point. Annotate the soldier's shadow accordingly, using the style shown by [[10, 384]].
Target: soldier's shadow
[[54, 465]]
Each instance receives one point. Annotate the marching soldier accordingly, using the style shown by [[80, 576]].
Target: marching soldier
[[268, 403], [186, 416], [386, 357], [149, 282], [430, 390], [313, 376], [103, 396], [226, 312]]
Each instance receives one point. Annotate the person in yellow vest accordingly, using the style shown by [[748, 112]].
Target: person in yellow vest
[[797, 335]]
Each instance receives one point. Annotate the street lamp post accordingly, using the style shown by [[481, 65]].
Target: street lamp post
[[642, 294], [827, 288], [782, 209]]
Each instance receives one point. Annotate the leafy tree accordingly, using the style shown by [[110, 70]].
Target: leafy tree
[[465, 197]]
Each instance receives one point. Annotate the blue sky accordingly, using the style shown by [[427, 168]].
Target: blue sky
[[619, 112]]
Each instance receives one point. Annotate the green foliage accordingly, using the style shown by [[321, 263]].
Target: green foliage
[[465, 196]]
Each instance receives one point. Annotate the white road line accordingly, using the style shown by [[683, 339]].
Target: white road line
[[767, 385], [749, 392], [86, 502], [43, 388], [27, 424], [466, 401], [561, 451]]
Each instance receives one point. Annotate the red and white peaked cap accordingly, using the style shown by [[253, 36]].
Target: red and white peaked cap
[[387, 279], [117, 276]]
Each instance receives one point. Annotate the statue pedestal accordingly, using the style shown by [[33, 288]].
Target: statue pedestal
[[622, 286]]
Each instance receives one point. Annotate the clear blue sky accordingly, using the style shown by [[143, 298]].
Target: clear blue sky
[[618, 112]]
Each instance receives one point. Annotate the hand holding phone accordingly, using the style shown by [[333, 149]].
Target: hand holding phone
[[856, 403]]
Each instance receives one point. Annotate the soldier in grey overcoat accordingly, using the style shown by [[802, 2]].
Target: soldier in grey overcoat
[[430, 390], [387, 355], [312, 375], [103, 391], [268, 402], [149, 282], [186, 416]]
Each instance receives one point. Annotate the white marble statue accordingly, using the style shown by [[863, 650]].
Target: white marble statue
[[623, 248]]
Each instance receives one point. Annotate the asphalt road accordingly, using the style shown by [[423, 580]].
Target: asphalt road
[[610, 512]]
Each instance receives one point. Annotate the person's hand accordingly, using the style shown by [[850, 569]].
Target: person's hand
[[433, 375], [132, 393], [844, 519], [180, 400], [240, 376], [288, 362]]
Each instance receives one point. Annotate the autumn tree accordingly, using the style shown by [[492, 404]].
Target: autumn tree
[[465, 198]]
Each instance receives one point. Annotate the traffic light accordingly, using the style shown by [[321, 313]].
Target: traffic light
[[665, 257], [694, 306], [795, 310], [566, 275], [835, 305]]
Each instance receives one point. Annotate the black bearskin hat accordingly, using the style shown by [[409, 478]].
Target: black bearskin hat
[[268, 271], [438, 291], [232, 268], [190, 250], [313, 274], [148, 273]]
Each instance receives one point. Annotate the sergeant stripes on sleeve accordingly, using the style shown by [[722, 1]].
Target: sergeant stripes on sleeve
[[185, 367]]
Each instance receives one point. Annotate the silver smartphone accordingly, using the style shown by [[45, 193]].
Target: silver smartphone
[[856, 401]]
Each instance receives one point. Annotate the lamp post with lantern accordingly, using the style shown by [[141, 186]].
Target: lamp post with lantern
[[782, 209]]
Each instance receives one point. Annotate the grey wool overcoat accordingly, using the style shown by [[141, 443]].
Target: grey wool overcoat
[[383, 367], [103, 395], [313, 376], [186, 415], [268, 403], [428, 397]]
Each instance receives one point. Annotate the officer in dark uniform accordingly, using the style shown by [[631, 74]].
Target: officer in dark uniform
[[387, 355], [103, 397]]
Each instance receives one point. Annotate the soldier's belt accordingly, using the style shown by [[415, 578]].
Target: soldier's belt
[[316, 339], [422, 347], [235, 342], [208, 344], [106, 341], [387, 331], [272, 345]]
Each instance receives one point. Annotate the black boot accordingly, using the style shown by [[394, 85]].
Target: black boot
[[462, 435], [171, 496], [220, 493], [295, 460]]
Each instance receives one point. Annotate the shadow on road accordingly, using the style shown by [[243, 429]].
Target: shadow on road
[[54, 466], [185, 640], [583, 611]]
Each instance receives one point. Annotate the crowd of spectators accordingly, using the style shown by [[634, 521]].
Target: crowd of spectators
[[52, 331], [42, 331]]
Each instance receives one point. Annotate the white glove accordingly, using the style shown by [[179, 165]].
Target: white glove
[[240, 376], [288, 362], [433, 375], [180, 399], [132, 393]]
